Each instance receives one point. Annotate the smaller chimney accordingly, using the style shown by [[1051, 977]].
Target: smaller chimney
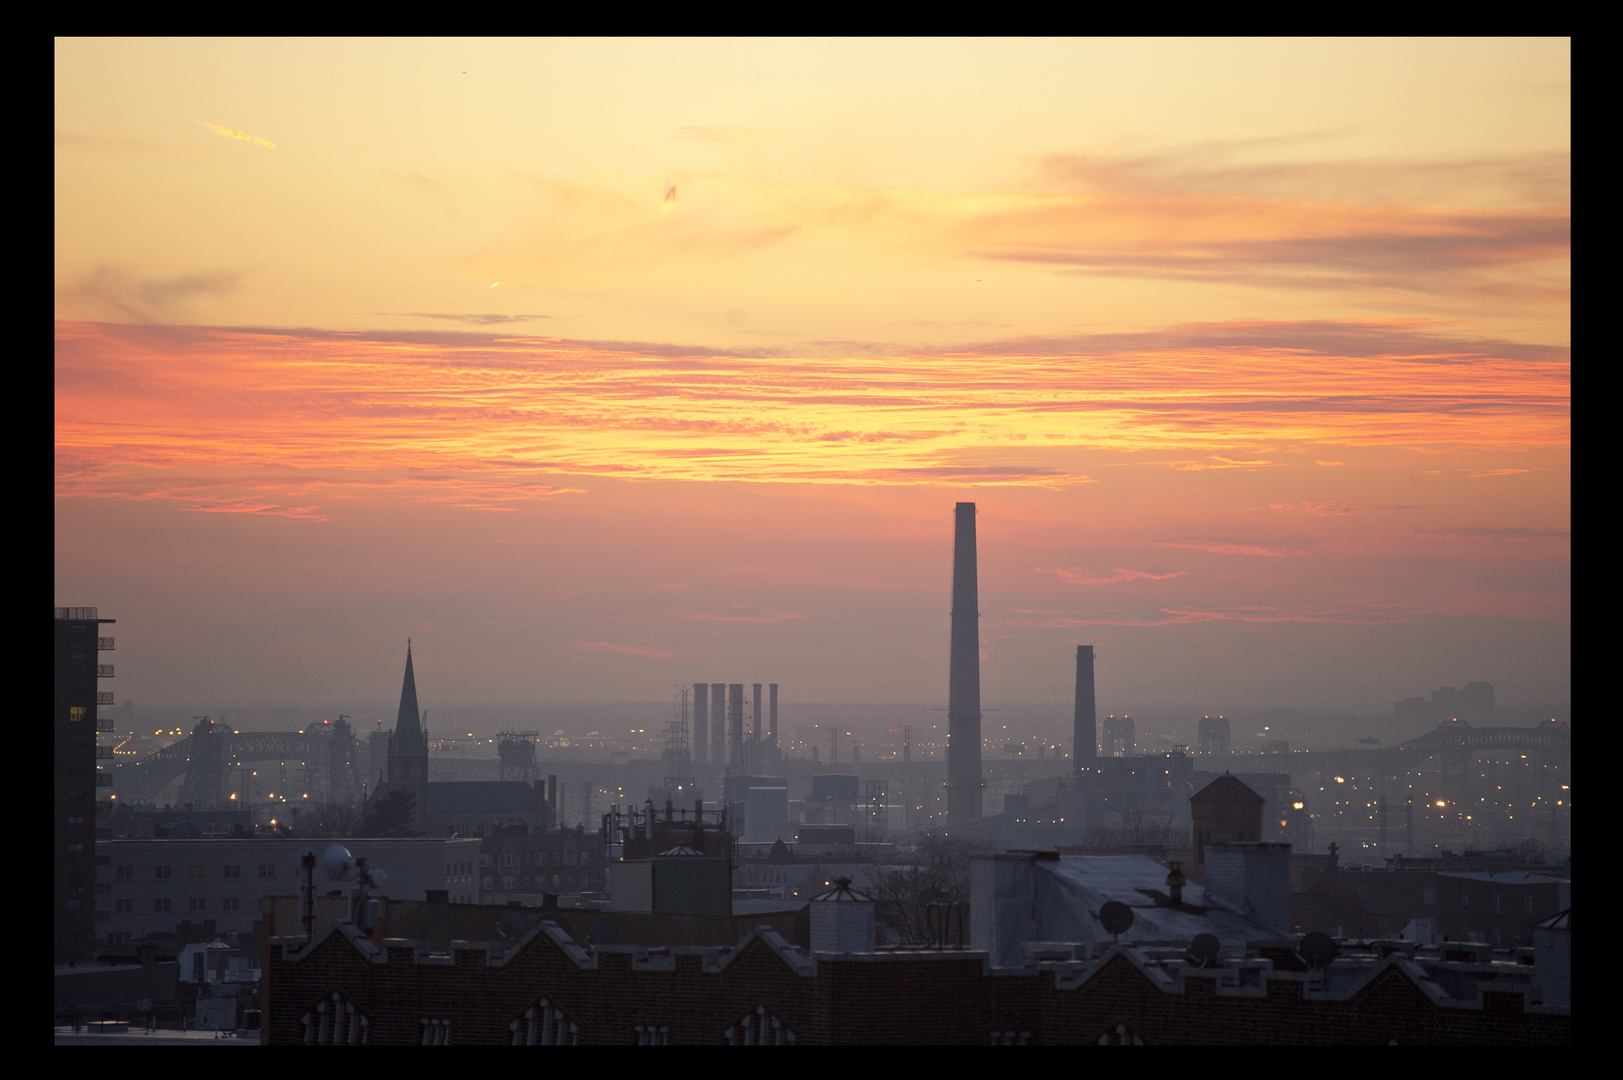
[[552, 791], [1175, 883]]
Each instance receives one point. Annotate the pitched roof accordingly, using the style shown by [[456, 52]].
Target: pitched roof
[[1226, 789]]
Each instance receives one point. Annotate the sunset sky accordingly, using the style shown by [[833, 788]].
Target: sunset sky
[[599, 366]]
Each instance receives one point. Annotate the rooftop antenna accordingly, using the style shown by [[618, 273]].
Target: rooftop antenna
[[339, 865]]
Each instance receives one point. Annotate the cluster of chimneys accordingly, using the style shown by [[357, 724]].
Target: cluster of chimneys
[[717, 725]]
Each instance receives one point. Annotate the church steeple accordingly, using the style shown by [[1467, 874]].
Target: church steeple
[[408, 745]]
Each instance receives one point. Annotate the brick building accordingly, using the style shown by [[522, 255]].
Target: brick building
[[545, 987], [1494, 908]]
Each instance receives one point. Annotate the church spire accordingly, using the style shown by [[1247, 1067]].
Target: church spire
[[408, 744], [406, 723]]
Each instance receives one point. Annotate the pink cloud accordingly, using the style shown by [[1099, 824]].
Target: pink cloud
[[628, 650], [1079, 576]]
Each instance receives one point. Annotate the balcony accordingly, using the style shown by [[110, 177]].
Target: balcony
[[104, 723], [104, 671], [104, 779], [105, 644], [104, 752], [76, 613], [104, 697]]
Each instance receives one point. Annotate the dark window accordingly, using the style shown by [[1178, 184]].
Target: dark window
[[162, 872], [160, 905]]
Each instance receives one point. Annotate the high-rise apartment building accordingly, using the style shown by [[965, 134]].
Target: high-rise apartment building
[[79, 645]]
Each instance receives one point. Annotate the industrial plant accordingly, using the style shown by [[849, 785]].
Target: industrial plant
[[332, 886]]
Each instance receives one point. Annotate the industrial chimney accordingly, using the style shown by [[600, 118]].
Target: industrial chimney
[[964, 677], [1085, 729]]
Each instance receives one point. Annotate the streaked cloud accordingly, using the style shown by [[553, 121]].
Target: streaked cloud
[[499, 418], [117, 293], [1225, 547], [1488, 532], [233, 133], [1079, 576], [1332, 508], [486, 319], [626, 650]]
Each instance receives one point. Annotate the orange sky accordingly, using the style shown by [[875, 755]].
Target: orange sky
[[598, 366]]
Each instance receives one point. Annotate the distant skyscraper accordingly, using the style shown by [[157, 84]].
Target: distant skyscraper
[[1212, 736], [77, 668], [408, 746], [1119, 736], [964, 676], [701, 723]]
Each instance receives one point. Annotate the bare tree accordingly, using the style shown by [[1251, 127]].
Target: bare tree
[[1134, 828], [934, 871], [325, 820]]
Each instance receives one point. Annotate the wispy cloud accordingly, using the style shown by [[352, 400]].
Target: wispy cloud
[[480, 419], [115, 292], [760, 615], [626, 650], [487, 319], [1488, 532], [1224, 547], [233, 133], [1079, 576], [1332, 508]]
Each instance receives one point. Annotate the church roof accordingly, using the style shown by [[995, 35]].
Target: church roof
[[1226, 789]]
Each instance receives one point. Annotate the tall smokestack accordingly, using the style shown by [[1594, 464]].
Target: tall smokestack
[[718, 723], [964, 677], [700, 740], [735, 726], [756, 711], [1085, 731], [774, 693]]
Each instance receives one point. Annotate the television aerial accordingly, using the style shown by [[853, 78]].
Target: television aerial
[[339, 865]]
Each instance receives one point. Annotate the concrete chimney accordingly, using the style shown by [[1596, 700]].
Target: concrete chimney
[[774, 692], [964, 676], [718, 723], [1085, 728], [735, 724], [700, 740], [756, 711]]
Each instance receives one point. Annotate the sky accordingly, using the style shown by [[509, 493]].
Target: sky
[[600, 366]]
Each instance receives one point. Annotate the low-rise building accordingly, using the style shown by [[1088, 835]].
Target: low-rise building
[[153, 887]]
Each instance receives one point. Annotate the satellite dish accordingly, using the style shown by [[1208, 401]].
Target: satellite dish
[[1117, 917], [603, 932], [338, 864], [512, 924], [1204, 950], [379, 879], [1318, 950]]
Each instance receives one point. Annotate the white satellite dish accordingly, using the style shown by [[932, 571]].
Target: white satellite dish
[[338, 864], [379, 879]]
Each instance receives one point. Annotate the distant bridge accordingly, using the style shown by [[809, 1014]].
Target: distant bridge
[[202, 762]]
